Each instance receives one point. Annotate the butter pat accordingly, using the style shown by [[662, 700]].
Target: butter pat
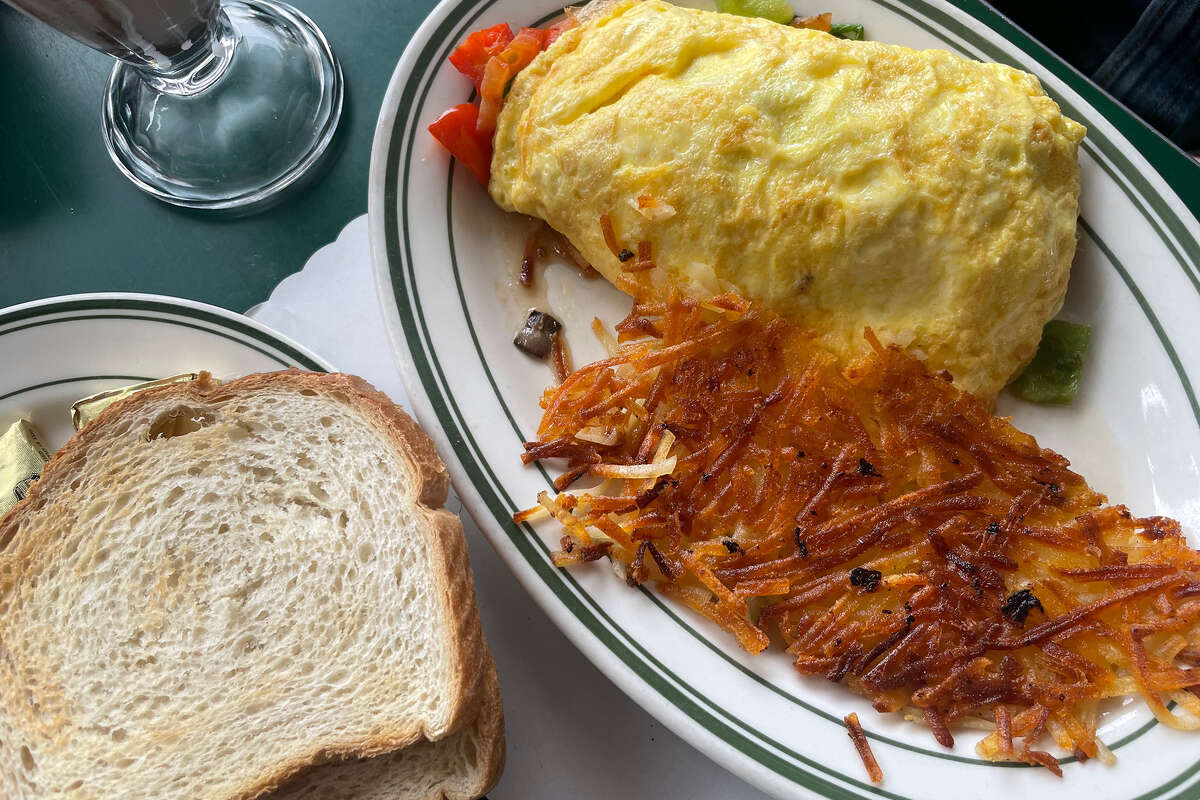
[[87, 409], [22, 456]]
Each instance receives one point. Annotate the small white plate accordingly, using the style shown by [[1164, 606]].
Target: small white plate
[[58, 350], [445, 264]]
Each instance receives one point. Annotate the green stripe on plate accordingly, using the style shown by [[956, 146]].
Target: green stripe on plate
[[216, 323], [79, 379]]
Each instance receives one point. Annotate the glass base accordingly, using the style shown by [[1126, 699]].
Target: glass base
[[235, 133]]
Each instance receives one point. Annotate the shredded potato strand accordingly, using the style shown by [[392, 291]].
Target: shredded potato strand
[[891, 532]]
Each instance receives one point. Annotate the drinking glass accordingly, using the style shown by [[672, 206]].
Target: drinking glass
[[210, 105]]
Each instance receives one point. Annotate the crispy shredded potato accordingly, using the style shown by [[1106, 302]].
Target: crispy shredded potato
[[879, 524]]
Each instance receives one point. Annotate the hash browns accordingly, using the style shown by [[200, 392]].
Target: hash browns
[[876, 522]]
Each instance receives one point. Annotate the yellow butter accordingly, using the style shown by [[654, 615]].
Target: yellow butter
[[87, 409], [22, 456]]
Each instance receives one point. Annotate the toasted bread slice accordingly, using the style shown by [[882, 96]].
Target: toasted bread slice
[[213, 588], [461, 766]]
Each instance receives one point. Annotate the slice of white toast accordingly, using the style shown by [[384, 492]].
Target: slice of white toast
[[462, 766], [213, 588]]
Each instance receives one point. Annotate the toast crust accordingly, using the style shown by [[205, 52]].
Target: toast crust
[[445, 544], [486, 729], [491, 742], [490, 746]]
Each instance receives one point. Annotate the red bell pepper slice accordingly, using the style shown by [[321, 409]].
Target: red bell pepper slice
[[456, 131], [471, 57], [500, 70], [490, 58]]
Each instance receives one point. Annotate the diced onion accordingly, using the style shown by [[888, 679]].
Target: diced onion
[[574, 528], [634, 472], [651, 208], [1106, 756], [664, 446], [530, 514], [597, 435]]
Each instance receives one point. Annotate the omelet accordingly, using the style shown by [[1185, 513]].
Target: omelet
[[842, 183]]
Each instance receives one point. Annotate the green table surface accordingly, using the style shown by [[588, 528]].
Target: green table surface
[[69, 222]]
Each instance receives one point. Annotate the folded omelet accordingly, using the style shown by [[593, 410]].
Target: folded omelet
[[846, 184]]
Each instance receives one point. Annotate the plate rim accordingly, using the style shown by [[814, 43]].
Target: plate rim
[[380, 206], [163, 304]]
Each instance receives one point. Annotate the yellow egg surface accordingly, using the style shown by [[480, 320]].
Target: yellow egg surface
[[846, 184]]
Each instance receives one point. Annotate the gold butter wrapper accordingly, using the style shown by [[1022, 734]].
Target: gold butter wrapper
[[22, 456], [87, 409]]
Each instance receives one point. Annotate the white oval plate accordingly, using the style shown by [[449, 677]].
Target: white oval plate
[[445, 260], [58, 350]]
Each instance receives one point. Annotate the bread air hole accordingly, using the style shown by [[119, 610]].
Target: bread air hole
[[179, 421]]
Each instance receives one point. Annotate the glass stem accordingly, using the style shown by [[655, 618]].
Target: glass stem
[[193, 70]]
